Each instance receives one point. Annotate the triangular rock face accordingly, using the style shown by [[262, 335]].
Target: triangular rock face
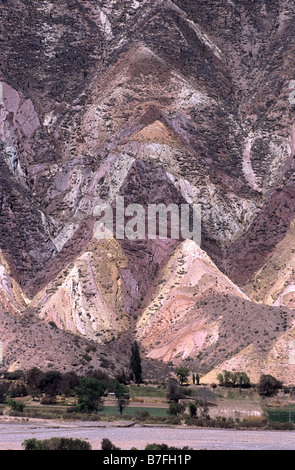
[[146, 184], [86, 297], [201, 318], [159, 133]]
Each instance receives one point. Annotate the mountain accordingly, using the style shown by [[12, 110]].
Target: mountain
[[157, 102]]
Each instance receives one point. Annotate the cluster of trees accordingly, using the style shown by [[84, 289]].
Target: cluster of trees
[[267, 385], [89, 391], [233, 379], [199, 398]]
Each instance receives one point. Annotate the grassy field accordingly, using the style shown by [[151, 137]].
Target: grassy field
[[152, 392], [281, 415], [132, 410]]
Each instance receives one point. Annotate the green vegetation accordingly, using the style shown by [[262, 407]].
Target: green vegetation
[[146, 391], [176, 409], [135, 363], [18, 406], [90, 392], [56, 443], [174, 391], [121, 393], [163, 447], [281, 415], [106, 444], [182, 373], [69, 397], [192, 409], [134, 411], [233, 379], [268, 386]]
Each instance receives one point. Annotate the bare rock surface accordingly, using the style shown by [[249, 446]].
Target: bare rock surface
[[157, 102]]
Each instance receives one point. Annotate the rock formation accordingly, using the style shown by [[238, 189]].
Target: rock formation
[[158, 102]]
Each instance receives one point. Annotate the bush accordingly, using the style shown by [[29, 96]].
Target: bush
[[106, 444], [162, 447], [56, 443], [142, 415], [281, 426], [16, 405], [48, 400], [176, 409], [33, 444]]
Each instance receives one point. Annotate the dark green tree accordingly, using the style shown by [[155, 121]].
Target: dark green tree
[[243, 380], [182, 374], [50, 383], [174, 391], [33, 379], [90, 392], [268, 385], [135, 363], [192, 409]]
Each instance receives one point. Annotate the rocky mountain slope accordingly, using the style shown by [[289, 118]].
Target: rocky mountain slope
[[157, 102]]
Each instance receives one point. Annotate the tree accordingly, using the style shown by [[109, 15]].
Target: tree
[[135, 363], [33, 379], [176, 409], [90, 392], [268, 385], [204, 396], [50, 383], [174, 392], [69, 382], [243, 380], [33, 444], [192, 409], [182, 374], [121, 392], [3, 393]]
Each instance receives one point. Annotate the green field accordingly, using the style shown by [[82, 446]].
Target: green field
[[152, 392], [281, 415], [132, 410]]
